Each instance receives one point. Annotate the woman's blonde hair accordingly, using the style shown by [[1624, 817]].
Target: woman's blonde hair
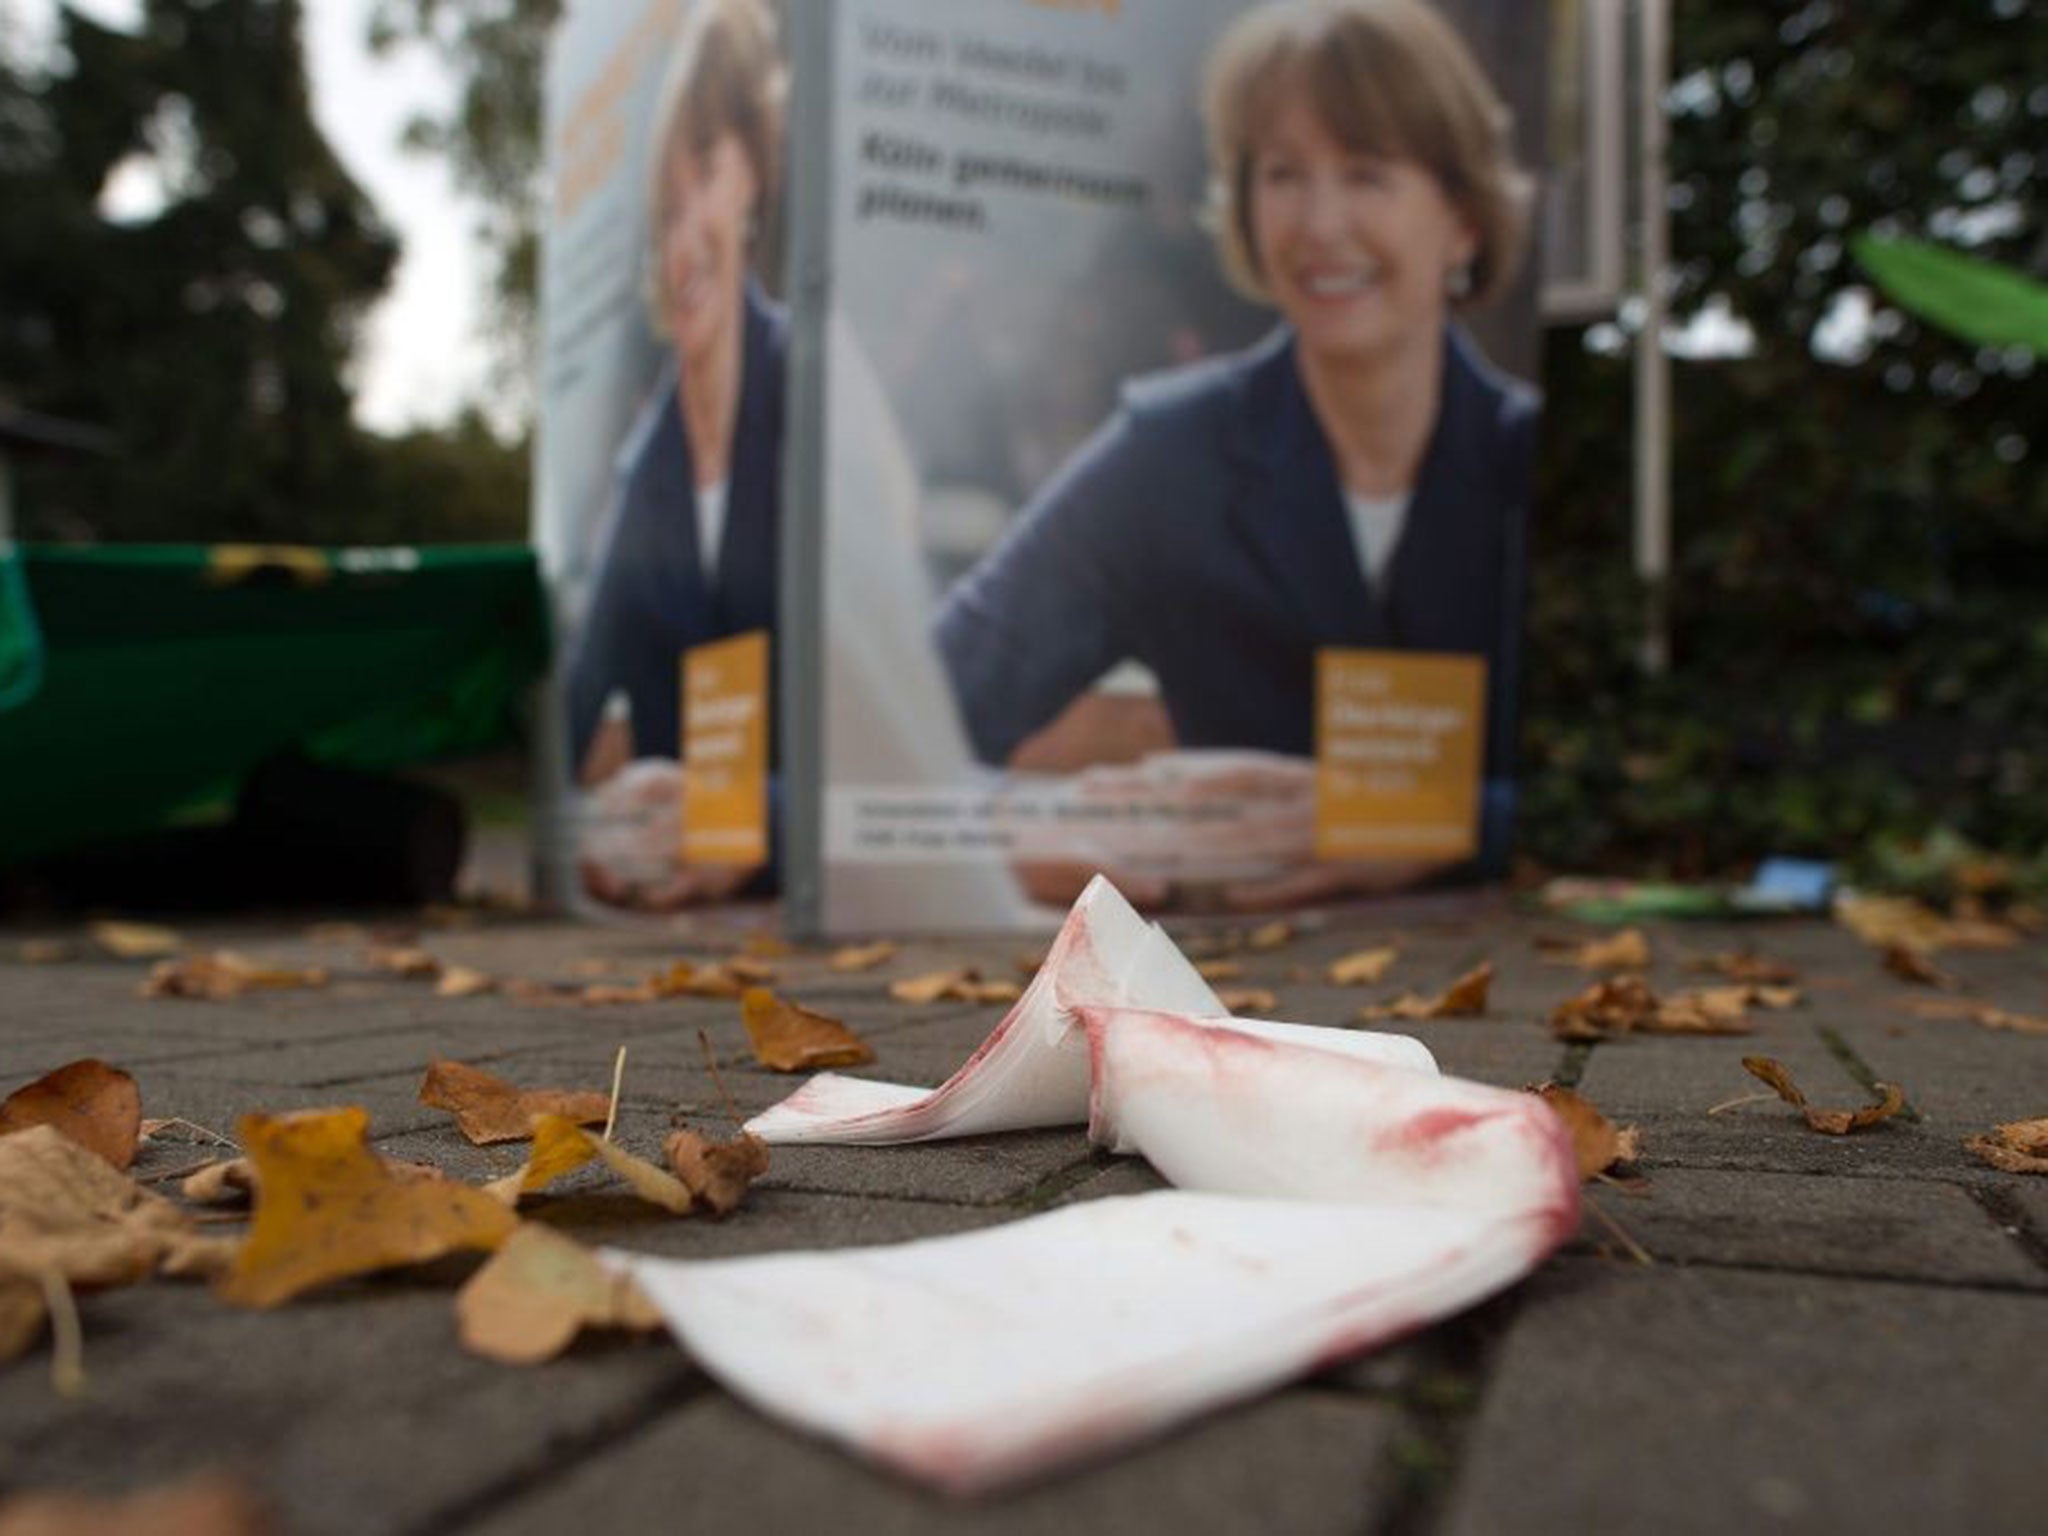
[[726, 75], [1387, 77]]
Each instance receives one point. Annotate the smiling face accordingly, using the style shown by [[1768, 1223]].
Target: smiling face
[[1356, 249], [708, 201]]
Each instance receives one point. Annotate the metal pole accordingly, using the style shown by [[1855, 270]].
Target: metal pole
[[1653, 367]]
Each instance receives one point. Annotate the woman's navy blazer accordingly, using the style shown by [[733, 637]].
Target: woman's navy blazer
[[651, 601], [1203, 532]]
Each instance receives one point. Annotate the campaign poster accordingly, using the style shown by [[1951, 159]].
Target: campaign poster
[[1169, 490], [659, 448]]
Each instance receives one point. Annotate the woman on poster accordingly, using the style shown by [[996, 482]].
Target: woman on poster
[[690, 555], [1359, 479]]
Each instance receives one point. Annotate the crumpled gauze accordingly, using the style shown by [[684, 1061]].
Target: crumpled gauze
[[1329, 1199]]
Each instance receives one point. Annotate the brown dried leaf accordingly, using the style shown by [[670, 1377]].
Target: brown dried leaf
[[1254, 1001], [135, 941], [748, 970], [327, 1207], [1627, 950], [1597, 1142], [561, 1147], [489, 1109], [235, 1180], [1747, 966], [537, 1292], [689, 979], [22, 1310], [224, 974], [1911, 964], [1776, 999], [1220, 970], [990, 993], [1607, 1008], [63, 1211], [407, 962], [1880, 921], [1363, 967], [212, 1504], [537, 994], [96, 1105], [1829, 1122], [1978, 934], [1709, 1011], [604, 994], [45, 952], [1271, 935], [717, 1173], [2013, 1023], [931, 987], [791, 1038], [863, 957], [2019, 1146], [462, 981], [1465, 998]]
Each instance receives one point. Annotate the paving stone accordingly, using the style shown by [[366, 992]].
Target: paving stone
[[1303, 1462], [975, 1170], [1892, 1227], [1693, 1400], [218, 1103], [353, 1410], [1962, 1078]]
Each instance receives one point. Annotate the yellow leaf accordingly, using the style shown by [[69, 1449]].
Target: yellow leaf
[[405, 961], [863, 957], [537, 1292], [1363, 967], [461, 981], [134, 941], [932, 987], [1248, 1000], [1220, 970], [223, 974], [1270, 935], [328, 1208], [560, 1146]]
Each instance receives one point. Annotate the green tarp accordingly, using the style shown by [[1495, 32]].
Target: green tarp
[[139, 685]]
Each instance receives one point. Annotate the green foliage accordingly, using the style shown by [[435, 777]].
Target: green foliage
[[1978, 301], [1862, 541]]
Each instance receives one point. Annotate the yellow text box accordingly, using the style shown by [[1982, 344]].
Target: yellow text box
[[725, 752], [1399, 741]]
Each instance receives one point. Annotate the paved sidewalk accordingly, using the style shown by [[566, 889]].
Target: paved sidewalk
[[1842, 1333]]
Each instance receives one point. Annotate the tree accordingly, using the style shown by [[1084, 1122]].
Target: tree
[[211, 334]]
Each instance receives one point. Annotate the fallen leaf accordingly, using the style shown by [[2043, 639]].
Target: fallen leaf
[[1597, 1142], [2019, 1146], [602, 994], [1910, 964], [767, 946], [790, 1038], [135, 941], [22, 1310], [990, 993], [1884, 920], [45, 952], [406, 962], [461, 981], [211, 1504], [748, 969], [595, 965], [1464, 998], [1248, 1000], [2014, 1023], [537, 1292], [1829, 1122], [717, 1173], [488, 1109], [560, 1146], [1270, 935], [1710, 1011], [349, 935], [1624, 951], [537, 994], [1776, 998], [63, 1211], [96, 1105], [234, 1180], [327, 1207], [223, 974], [686, 979], [1363, 967], [1607, 1008], [863, 957], [2025, 917], [1747, 966], [932, 987], [1978, 934], [1220, 970]]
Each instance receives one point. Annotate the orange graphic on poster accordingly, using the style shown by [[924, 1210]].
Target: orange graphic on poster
[[725, 751], [1399, 738]]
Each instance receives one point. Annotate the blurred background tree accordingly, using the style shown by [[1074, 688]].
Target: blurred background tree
[[187, 265], [1859, 602]]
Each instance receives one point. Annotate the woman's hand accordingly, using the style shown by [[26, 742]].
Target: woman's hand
[[629, 848]]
